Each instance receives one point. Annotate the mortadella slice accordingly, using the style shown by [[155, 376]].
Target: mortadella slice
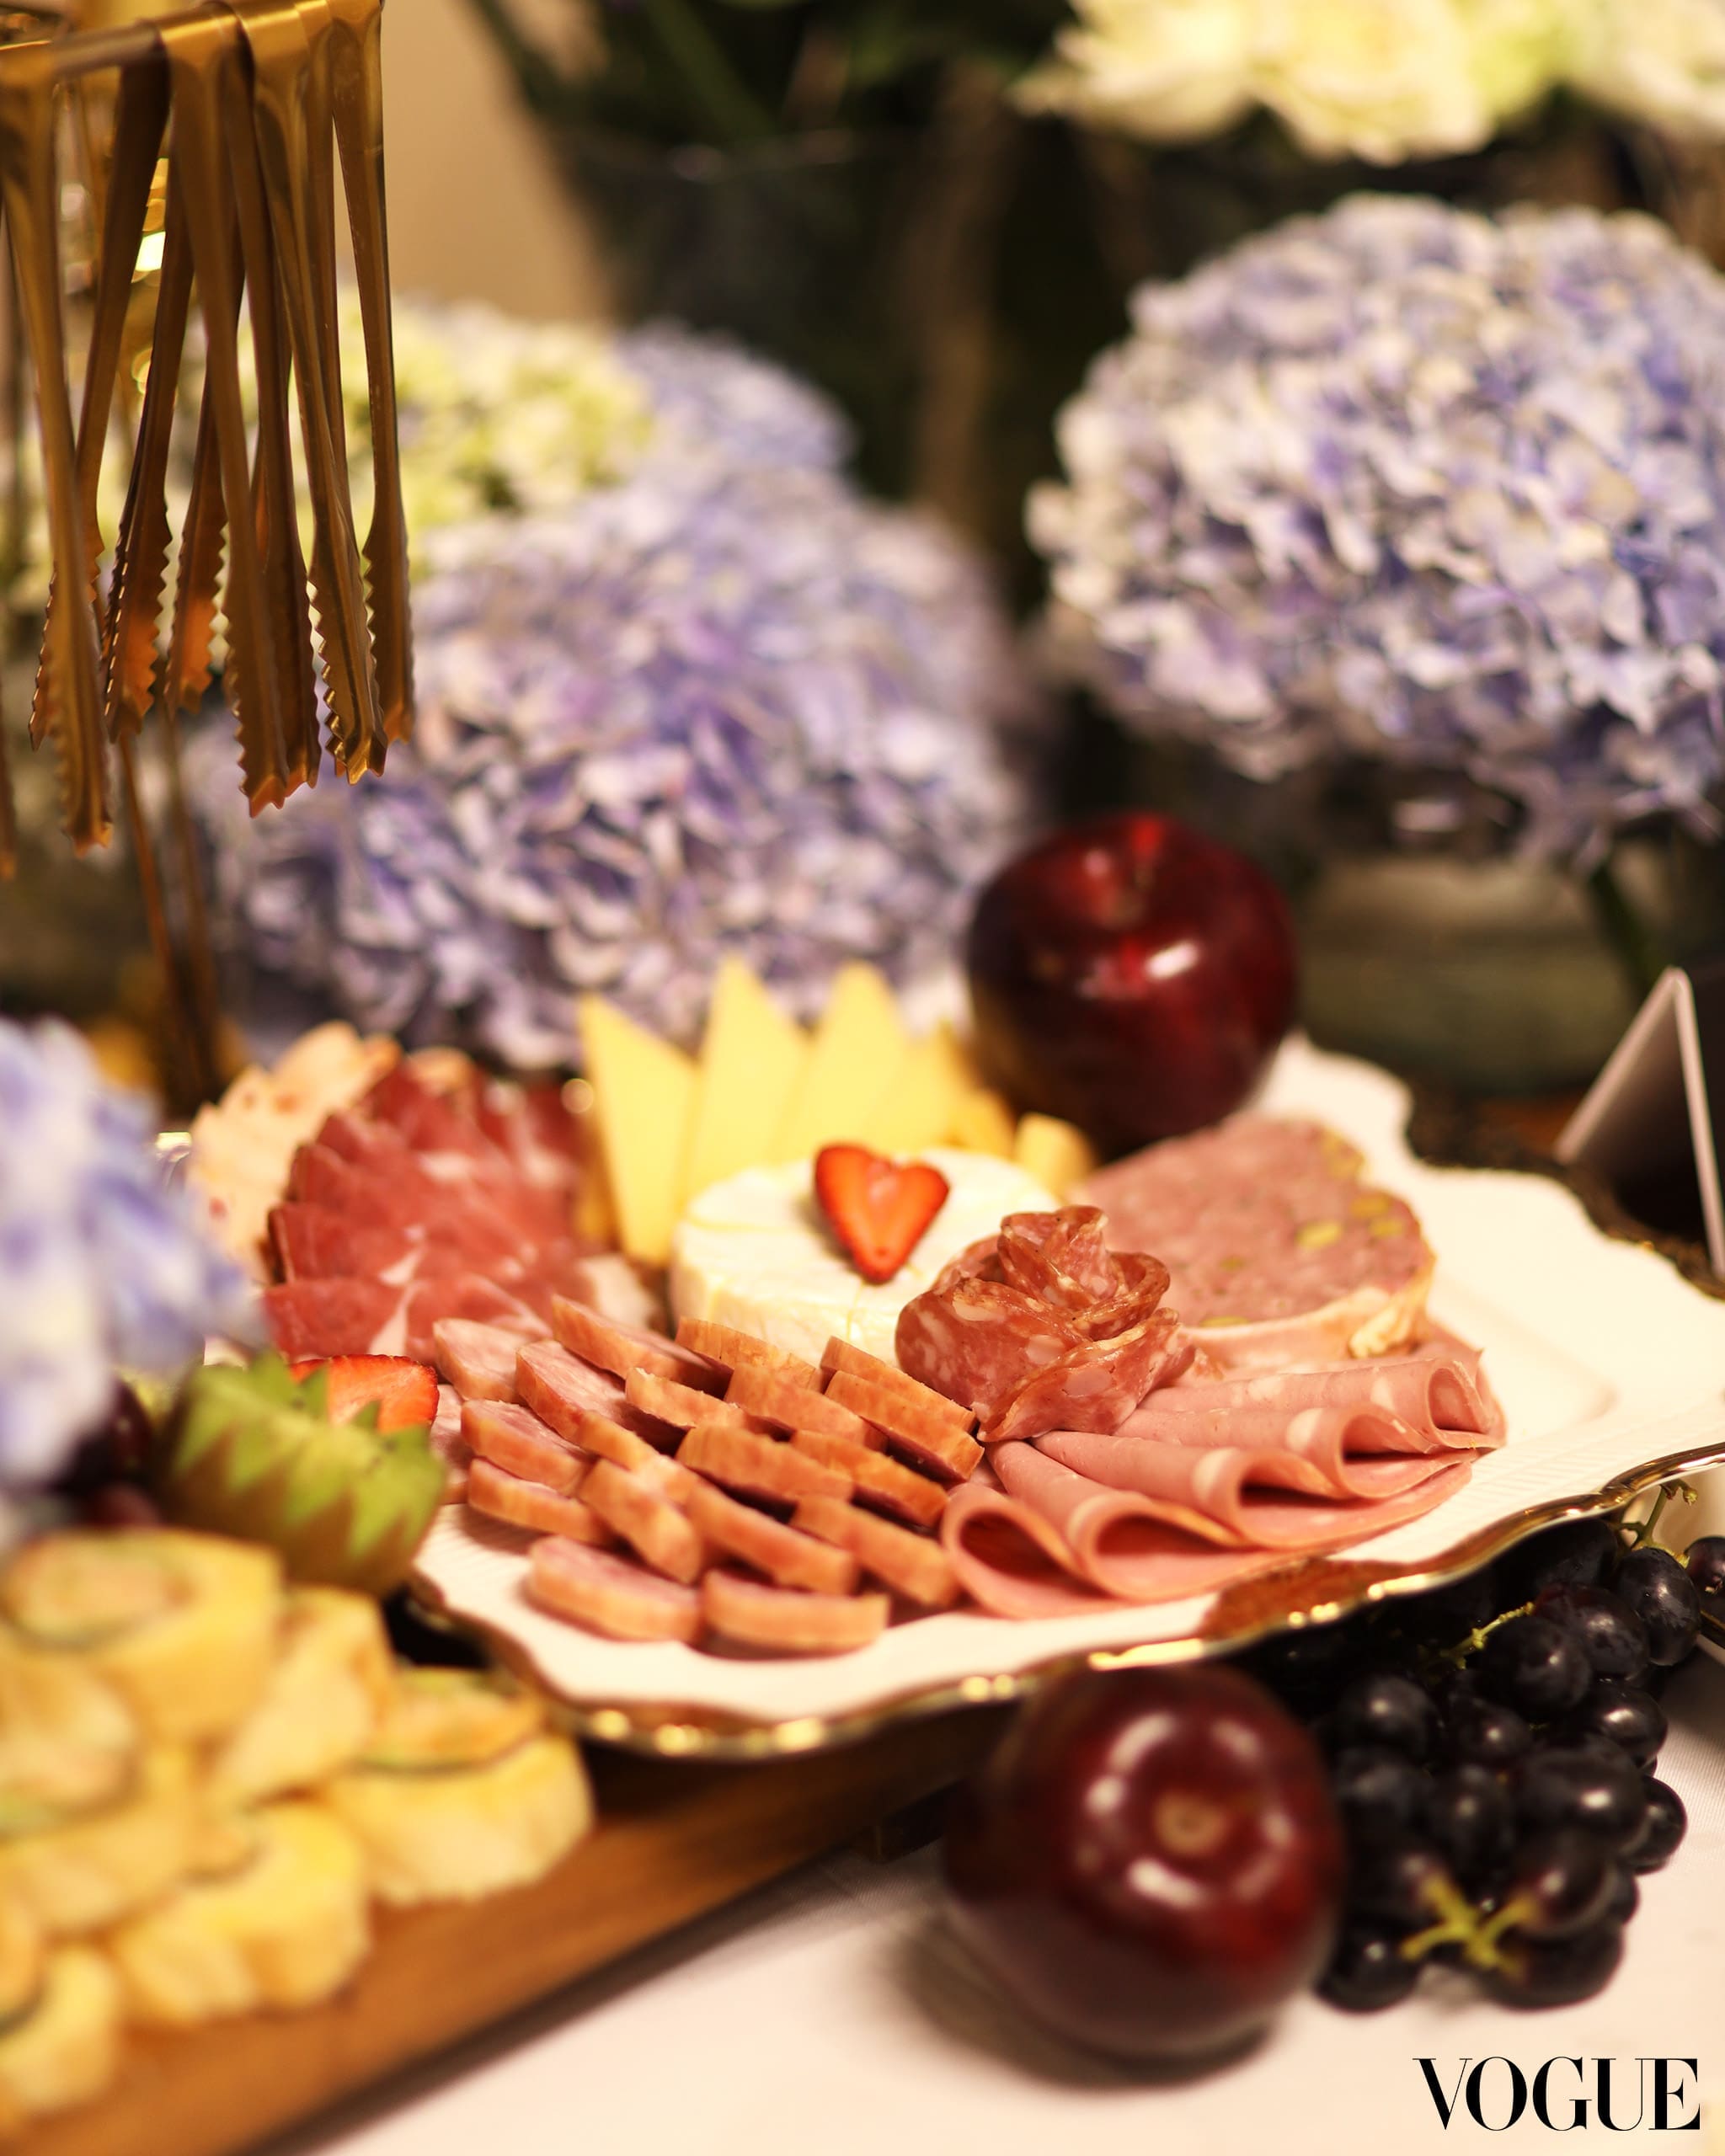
[[1009, 1561], [1411, 1403]]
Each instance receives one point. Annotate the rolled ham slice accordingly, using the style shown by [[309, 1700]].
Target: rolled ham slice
[[1270, 1499], [611, 1593], [1118, 1542], [1009, 1560], [1404, 1403]]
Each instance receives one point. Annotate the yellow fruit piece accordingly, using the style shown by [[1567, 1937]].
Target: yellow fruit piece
[[919, 1106], [444, 1718], [859, 1049], [984, 1124], [332, 1680], [1057, 1154], [182, 1626], [92, 1870], [458, 1833], [752, 1058], [286, 1929], [68, 1743], [644, 1092], [66, 2049], [24, 1959]]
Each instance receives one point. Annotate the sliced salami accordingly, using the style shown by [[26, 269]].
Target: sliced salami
[[732, 1350], [790, 1406], [878, 1481], [1095, 1385], [978, 1341], [840, 1359], [788, 1556], [914, 1565], [637, 1508], [621, 1349], [763, 1467], [611, 1593], [513, 1438], [935, 1444], [495, 1493], [788, 1621], [478, 1360]]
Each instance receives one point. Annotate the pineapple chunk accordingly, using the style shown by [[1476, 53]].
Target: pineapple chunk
[[90, 1871], [330, 1684], [984, 1124], [66, 2049], [1057, 1154]]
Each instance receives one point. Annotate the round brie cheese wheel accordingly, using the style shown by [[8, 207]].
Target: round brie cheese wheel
[[756, 1252]]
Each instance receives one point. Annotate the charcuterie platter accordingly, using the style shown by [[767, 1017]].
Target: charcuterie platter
[[1594, 1345]]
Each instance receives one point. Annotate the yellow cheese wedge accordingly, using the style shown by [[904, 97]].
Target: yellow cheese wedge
[[751, 1058], [644, 1094], [920, 1104], [858, 1051], [984, 1124], [1057, 1154]]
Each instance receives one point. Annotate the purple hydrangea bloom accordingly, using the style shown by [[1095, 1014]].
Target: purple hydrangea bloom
[[724, 705], [1406, 482], [102, 1265]]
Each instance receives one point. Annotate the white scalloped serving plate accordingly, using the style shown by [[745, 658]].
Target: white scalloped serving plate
[[1611, 1366]]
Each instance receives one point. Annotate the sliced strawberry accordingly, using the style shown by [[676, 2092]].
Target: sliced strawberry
[[404, 1391], [878, 1208]]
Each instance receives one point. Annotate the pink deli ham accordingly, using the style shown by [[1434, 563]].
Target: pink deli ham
[[1425, 1402]]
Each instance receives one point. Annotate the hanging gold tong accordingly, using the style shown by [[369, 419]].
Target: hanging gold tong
[[257, 101]]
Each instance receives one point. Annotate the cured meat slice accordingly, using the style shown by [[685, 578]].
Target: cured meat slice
[[637, 1507], [426, 1121], [611, 1593], [312, 1242], [560, 1388], [939, 1449], [499, 1495], [682, 1405], [1061, 1258], [914, 1565], [732, 1350], [1009, 1561], [1409, 1403], [840, 1358], [446, 1433], [785, 1554], [1097, 1384], [1280, 1255], [789, 1406], [878, 1481], [620, 1348], [470, 1296], [1118, 1542], [309, 1319], [607, 1440], [978, 1341], [762, 1466], [478, 1360], [513, 1437], [787, 1620], [1266, 1500]]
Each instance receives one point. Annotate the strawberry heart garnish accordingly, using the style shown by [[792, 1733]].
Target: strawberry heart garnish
[[878, 1208]]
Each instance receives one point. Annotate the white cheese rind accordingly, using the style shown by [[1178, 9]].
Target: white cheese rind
[[754, 1252]]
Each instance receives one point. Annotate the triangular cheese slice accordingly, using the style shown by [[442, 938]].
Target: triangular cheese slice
[[860, 1046], [921, 1105], [644, 1097], [984, 1124], [751, 1060]]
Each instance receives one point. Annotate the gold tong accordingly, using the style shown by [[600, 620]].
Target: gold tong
[[255, 101]]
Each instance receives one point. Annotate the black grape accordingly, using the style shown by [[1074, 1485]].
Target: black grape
[[1663, 1596], [1368, 1970], [1596, 1790], [1381, 1795], [1484, 1733], [1385, 1709], [1401, 1882], [1606, 1630], [1705, 1563], [1533, 1665], [1555, 1971], [1469, 1816], [1578, 1554], [1562, 1882], [1631, 1719], [1665, 1826]]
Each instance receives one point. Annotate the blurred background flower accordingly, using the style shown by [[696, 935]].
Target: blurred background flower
[[723, 702], [103, 1268]]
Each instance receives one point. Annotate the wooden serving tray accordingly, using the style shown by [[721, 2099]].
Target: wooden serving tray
[[672, 1842]]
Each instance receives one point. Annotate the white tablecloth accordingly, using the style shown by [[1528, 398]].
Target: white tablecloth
[[829, 2015]]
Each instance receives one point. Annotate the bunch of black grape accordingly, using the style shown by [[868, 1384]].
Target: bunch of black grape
[[1492, 1746]]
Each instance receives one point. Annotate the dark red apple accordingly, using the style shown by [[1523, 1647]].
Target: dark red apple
[[1131, 975], [1150, 1863]]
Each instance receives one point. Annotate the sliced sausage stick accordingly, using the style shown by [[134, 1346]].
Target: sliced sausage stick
[[840, 1358], [790, 1558], [724, 1344], [914, 1565], [763, 1466], [788, 1621], [513, 1438], [681, 1405], [611, 1593], [886, 1484], [560, 1388], [607, 1440], [499, 1494], [636, 1507], [620, 1348], [933, 1442], [790, 1406], [478, 1360]]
